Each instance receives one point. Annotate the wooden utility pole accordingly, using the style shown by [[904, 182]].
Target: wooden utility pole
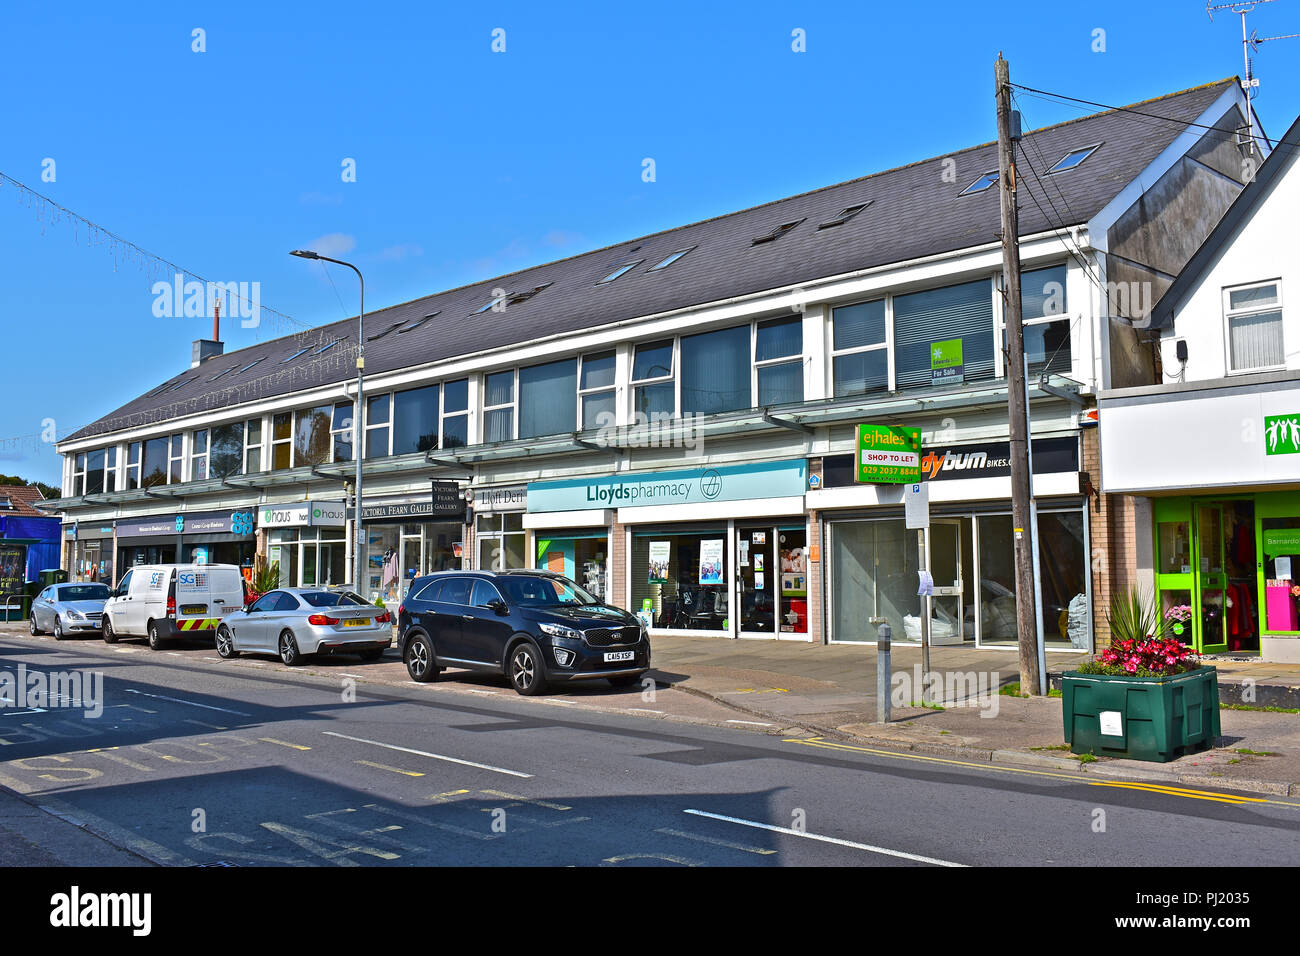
[[1017, 396]]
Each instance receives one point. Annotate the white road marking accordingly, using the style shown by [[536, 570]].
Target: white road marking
[[177, 700], [642, 710], [422, 753], [826, 839], [715, 841], [753, 723]]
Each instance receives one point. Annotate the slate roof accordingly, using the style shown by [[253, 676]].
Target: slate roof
[[914, 212]]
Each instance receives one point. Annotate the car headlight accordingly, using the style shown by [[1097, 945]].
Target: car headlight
[[559, 630], [76, 615]]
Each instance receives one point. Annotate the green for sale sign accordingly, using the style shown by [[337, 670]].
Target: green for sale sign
[[1282, 434], [946, 367], [888, 454]]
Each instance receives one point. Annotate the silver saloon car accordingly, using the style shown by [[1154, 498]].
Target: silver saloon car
[[295, 623], [66, 609]]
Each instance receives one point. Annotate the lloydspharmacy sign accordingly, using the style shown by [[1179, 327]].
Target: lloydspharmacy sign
[[1282, 435]]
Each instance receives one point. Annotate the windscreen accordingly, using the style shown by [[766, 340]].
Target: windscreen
[[536, 591], [84, 592]]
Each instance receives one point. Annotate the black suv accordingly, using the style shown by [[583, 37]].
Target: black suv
[[534, 627]]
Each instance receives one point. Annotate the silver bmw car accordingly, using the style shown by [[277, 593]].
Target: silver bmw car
[[68, 609], [297, 622]]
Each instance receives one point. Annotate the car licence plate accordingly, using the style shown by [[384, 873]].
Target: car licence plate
[[620, 656], [194, 609], [357, 622]]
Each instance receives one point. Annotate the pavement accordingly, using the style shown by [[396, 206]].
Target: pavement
[[831, 690]]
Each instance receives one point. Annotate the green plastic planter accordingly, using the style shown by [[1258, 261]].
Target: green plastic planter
[[1142, 718]]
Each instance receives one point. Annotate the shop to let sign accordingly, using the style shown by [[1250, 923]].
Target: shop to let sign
[[946, 366], [888, 454]]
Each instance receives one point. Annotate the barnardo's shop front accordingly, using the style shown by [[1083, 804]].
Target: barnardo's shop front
[[1220, 465], [715, 551]]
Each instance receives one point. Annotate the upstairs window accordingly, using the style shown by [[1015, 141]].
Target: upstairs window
[[252, 446], [778, 361], [654, 391], [199, 455], [311, 435], [859, 349], [455, 413], [226, 451], [281, 441], [133, 453], [415, 420], [1046, 322], [499, 406], [715, 371], [341, 431], [1253, 317], [957, 312], [543, 409], [596, 390], [379, 426]]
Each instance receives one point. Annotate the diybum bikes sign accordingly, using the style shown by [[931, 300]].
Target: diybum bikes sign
[[888, 454]]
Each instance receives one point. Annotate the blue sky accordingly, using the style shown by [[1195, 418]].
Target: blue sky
[[471, 163]]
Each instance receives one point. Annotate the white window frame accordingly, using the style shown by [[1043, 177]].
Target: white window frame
[[271, 441], [131, 469], [176, 453], [196, 455], [1229, 314], [80, 461], [466, 412], [346, 430], [386, 427], [832, 353], [1000, 317], [672, 376], [612, 388], [513, 404], [755, 364], [259, 445]]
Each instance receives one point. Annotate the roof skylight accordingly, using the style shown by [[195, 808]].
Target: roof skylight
[[483, 308], [517, 297], [294, 356], [981, 184], [1074, 158], [226, 372], [380, 335], [776, 233], [665, 263], [624, 268], [844, 215], [326, 348], [412, 326], [249, 365]]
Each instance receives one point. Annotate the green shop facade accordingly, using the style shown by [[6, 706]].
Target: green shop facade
[[1216, 466]]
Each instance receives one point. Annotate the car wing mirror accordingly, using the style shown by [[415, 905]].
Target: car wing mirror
[[500, 607]]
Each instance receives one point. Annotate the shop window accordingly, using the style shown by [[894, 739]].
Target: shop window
[[281, 441], [580, 559], [1175, 546], [543, 409], [1062, 573], [253, 446], [683, 579], [921, 319], [499, 407], [1281, 549], [341, 431], [778, 361], [1253, 315], [596, 390], [415, 420], [379, 427], [455, 414], [500, 541], [654, 393], [715, 371], [311, 435], [859, 355], [199, 455], [873, 568]]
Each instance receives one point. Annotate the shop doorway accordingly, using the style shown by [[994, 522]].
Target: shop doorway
[[1225, 616], [948, 623]]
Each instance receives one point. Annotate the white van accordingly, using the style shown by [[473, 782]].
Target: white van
[[165, 601]]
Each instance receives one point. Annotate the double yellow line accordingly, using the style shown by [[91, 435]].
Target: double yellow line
[[1231, 798]]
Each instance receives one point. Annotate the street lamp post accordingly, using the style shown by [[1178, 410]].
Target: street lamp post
[[358, 433]]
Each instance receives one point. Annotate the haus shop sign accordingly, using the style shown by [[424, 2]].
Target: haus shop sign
[[778, 479], [303, 514]]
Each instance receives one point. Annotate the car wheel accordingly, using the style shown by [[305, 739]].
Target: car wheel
[[289, 655], [371, 655], [31, 626], [625, 680], [225, 644], [420, 659], [58, 628], [155, 637], [110, 637], [525, 670]]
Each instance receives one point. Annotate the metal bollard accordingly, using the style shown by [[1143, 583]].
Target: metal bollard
[[884, 670]]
